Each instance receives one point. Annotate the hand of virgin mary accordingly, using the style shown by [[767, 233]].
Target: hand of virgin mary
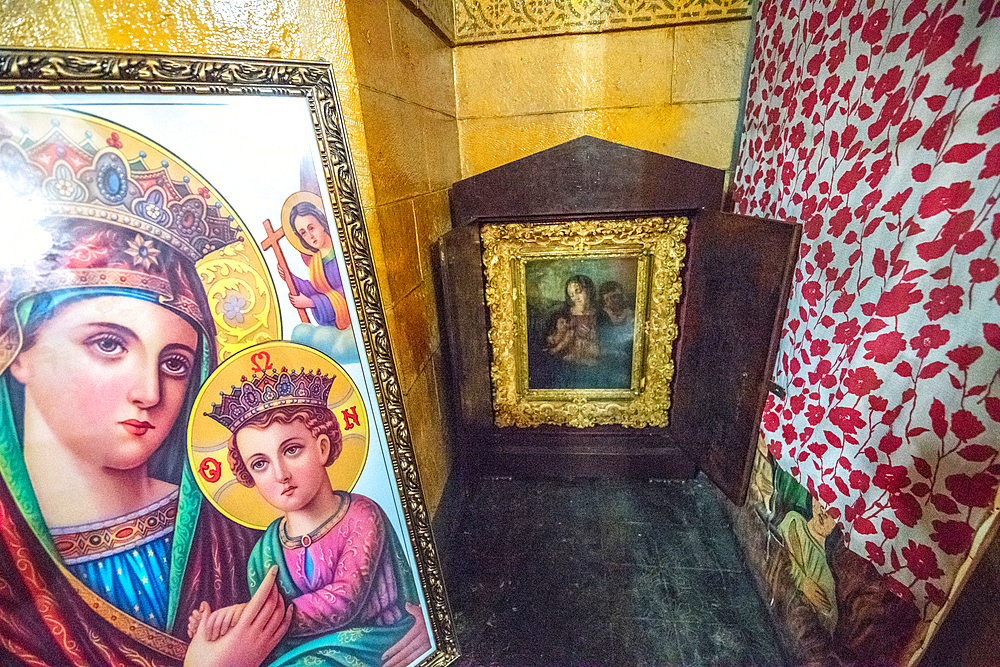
[[261, 626]]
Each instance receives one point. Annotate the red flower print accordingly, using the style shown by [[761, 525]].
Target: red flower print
[[898, 589], [843, 302], [875, 553], [815, 413], [846, 332], [954, 537], [965, 355], [935, 594], [964, 72], [885, 347], [872, 32], [943, 38], [944, 300], [948, 198], [991, 332], [826, 493], [889, 529], [878, 403], [839, 221], [915, 8], [931, 337], [887, 82], [935, 135], [824, 254], [859, 480], [770, 422], [970, 241], [837, 54], [977, 453], [891, 478], [966, 425], [819, 348], [983, 269], [989, 122], [944, 504], [962, 153], [992, 164], [862, 381], [898, 300], [850, 179], [972, 490], [811, 292], [921, 172], [907, 508], [863, 526], [848, 419], [921, 561], [895, 203]]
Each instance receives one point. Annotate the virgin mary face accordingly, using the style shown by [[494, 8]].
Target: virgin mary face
[[106, 379], [577, 295]]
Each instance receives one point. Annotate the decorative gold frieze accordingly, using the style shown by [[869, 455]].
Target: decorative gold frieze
[[495, 20]]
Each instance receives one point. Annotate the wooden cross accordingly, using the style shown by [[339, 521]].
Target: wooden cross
[[271, 241]]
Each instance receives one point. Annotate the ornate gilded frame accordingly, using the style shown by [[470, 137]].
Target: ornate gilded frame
[[657, 246], [53, 74]]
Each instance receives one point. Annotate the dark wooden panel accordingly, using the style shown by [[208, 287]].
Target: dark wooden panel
[[582, 178], [736, 287], [463, 325], [736, 281]]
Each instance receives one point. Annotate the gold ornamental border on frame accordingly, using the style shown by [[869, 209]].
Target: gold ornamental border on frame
[[659, 245]]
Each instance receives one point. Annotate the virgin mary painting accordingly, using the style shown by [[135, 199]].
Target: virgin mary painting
[[107, 330]]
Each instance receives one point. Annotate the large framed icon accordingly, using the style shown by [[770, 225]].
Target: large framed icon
[[204, 452]]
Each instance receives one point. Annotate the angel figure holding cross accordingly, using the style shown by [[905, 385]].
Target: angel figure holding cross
[[305, 226]]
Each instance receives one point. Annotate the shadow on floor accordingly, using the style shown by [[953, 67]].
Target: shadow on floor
[[593, 572]]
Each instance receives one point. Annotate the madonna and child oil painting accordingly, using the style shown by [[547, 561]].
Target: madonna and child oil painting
[[195, 462]]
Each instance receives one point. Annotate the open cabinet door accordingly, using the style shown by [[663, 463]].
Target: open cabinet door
[[739, 272]]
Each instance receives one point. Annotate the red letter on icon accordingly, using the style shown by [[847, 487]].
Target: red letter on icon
[[211, 470], [351, 418]]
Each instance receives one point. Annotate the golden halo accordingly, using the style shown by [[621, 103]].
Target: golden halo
[[286, 213], [208, 440], [241, 295]]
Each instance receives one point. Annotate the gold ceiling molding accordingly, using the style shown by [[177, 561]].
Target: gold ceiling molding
[[470, 21]]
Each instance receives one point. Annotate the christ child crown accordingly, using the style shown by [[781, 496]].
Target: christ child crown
[[267, 391]]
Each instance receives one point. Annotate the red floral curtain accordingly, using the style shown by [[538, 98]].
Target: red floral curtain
[[877, 126]]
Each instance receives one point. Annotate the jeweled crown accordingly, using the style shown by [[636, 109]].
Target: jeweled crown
[[83, 181], [269, 390]]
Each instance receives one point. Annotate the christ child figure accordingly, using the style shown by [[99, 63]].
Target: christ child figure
[[339, 562]]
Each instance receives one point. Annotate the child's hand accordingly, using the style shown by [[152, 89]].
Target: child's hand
[[194, 620], [221, 621]]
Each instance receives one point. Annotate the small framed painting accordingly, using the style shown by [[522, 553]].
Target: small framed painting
[[204, 458], [582, 320]]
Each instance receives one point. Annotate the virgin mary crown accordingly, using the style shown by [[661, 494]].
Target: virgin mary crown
[[271, 390], [91, 216]]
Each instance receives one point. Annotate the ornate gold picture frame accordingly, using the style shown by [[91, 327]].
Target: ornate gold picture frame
[[582, 320], [185, 252]]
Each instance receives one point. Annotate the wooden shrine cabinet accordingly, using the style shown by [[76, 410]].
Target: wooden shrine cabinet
[[735, 280]]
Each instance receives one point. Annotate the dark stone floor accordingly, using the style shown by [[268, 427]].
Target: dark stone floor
[[595, 572]]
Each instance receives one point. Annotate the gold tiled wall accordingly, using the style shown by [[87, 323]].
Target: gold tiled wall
[[672, 90], [402, 88], [406, 80]]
